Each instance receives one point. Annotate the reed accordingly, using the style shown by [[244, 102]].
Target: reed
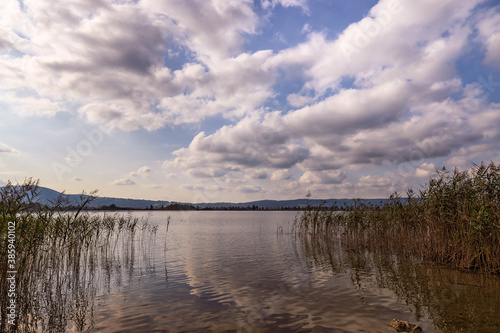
[[453, 220], [58, 255]]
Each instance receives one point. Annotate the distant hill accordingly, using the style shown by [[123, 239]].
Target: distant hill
[[48, 195]]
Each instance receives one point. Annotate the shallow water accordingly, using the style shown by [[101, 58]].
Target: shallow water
[[234, 272]]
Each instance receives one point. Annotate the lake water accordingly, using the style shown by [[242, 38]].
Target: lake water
[[245, 272]]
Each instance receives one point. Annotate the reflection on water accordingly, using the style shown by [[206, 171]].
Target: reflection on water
[[454, 301], [233, 272]]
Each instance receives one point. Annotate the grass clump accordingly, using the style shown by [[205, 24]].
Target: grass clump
[[454, 220], [60, 256]]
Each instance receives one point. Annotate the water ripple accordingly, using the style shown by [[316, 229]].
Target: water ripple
[[231, 272]]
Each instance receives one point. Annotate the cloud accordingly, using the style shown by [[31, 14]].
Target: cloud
[[292, 186], [489, 35], [160, 186], [398, 108], [296, 100], [374, 185], [281, 175], [245, 145], [28, 106], [170, 175], [286, 3], [306, 28], [110, 60], [7, 149], [234, 88], [124, 181], [374, 181], [363, 126], [211, 28], [278, 36], [351, 109], [403, 41], [191, 187], [233, 181], [90, 53], [143, 172], [323, 177], [425, 170], [249, 189], [206, 172], [256, 173]]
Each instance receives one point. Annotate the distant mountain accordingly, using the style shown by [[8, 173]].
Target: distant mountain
[[48, 195]]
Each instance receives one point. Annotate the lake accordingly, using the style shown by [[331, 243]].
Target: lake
[[245, 271]]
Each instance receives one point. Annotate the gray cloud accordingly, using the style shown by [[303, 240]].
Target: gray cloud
[[256, 174], [206, 172], [249, 143], [212, 28]]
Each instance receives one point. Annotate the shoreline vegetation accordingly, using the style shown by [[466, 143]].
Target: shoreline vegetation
[[192, 207], [183, 207], [54, 260], [454, 220]]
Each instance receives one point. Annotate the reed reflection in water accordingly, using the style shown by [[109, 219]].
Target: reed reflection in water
[[454, 301]]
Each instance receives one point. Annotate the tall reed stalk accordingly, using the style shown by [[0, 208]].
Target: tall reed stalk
[[57, 256], [454, 220]]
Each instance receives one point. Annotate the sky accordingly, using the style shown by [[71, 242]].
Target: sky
[[238, 100]]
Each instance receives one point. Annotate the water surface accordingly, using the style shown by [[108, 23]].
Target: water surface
[[245, 272]]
